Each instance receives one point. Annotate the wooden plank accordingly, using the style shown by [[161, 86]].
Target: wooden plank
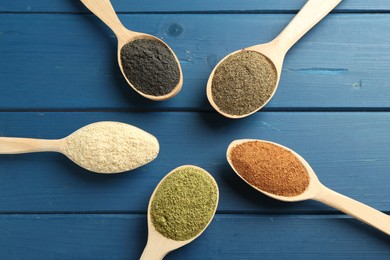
[[228, 237], [69, 61], [186, 5], [350, 153]]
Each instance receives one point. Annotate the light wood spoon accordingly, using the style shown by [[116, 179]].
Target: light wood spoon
[[317, 191], [86, 147], [313, 12], [159, 246], [104, 10]]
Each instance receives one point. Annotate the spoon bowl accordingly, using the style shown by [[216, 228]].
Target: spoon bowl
[[101, 147], [275, 51], [270, 53], [138, 36], [311, 190], [317, 191], [158, 245], [104, 10]]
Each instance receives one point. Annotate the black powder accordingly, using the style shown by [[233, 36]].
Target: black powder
[[243, 82], [150, 66]]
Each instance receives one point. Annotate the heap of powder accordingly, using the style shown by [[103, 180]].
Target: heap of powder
[[184, 204], [111, 147], [243, 82], [270, 168], [150, 66]]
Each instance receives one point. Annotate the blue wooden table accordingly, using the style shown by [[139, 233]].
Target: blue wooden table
[[58, 72]]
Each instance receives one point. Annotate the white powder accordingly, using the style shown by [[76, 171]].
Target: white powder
[[111, 147]]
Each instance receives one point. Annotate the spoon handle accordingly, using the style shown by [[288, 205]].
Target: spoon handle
[[153, 251], [310, 14], [104, 10], [10, 145], [356, 209]]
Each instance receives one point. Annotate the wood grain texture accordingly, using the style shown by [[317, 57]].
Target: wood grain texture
[[228, 237], [342, 63], [56, 56], [186, 5], [350, 153]]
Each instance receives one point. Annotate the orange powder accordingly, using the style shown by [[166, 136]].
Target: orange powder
[[270, 168]]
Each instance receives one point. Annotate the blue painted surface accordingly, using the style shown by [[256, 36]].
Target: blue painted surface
[[32, 6], [341, 63], [58, 72], [120, 236]]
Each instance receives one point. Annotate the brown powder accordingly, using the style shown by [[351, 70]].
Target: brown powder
[[270, 168]]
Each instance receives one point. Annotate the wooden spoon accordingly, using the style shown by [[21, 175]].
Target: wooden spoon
[[159, 246], [313, 12], [317, 191], [93, 150], [104, 10]]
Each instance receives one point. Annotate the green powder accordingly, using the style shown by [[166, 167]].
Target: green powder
[[184, 203], [243, 82]]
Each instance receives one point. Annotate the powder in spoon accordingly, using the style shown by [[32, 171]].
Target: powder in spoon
[[270, 168], [111, 147], [184, 203], [150, 66], [243, 82]]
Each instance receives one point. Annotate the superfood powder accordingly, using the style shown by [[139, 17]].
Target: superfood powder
[[184, 203], [111, 147], [270, 168], [150, 66], [243, 82]]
